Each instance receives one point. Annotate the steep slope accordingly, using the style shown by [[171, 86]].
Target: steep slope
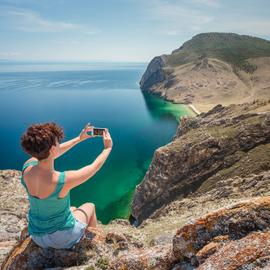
[[224, 143], [212, 68]]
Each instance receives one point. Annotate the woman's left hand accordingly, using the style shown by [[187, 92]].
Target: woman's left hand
[[84, 135]]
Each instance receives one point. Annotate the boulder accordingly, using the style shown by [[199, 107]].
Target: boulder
[[198, 240]]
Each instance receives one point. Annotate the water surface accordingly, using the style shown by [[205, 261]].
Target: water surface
[[72, 94]]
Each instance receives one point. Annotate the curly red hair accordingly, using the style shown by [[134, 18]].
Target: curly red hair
[[39, 138]]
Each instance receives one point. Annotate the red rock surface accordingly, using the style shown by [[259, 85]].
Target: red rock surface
[[234, 222], [250, 252]]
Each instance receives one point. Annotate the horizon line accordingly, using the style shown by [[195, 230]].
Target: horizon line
[[72, 61]]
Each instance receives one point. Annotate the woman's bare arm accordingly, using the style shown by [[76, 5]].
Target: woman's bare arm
[[75, 178], [64, 147]]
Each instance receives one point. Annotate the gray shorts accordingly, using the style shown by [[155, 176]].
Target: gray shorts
[[61, 239]]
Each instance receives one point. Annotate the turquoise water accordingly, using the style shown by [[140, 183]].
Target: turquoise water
[[72, 94]]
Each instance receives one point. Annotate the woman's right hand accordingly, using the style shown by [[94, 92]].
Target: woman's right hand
[[107, 140]]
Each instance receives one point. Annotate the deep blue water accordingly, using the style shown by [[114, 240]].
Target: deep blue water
[[72, 94]]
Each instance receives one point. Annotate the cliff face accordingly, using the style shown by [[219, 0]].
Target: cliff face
[[154, 73], [211, 69], [225, 143]]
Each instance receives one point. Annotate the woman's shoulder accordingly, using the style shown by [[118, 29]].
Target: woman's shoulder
[[30, 160]]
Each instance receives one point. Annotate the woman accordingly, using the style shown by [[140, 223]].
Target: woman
[[52, 222]]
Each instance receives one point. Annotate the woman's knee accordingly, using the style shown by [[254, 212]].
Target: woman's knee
[[90, 206], [89, 209], [72, 208]]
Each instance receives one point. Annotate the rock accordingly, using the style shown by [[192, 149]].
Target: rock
[[206, 252], [216, 109], [249, 252], [211, 248], [118, 240], [236, 237], [97, 249], [154, 73], [158, 258], [183, 266], [235, 222], [123, 222], [27, 255], [162, 240], [13, 210]]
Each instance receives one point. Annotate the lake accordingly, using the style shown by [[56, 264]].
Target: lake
[[73, 94]]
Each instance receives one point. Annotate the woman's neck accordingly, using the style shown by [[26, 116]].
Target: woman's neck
[[46, 164]]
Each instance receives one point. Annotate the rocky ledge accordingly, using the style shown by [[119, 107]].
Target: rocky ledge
[[235, 237]]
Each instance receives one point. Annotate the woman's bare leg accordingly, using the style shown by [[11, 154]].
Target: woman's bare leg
[[72, 208], [87, 214], [93, 219]]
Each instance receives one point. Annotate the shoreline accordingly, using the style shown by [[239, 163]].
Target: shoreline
[[189, 105], [192, 107]]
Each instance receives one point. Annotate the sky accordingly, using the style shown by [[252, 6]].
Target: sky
[[119, 30]]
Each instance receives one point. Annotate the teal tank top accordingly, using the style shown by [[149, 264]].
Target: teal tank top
[[51, 213]]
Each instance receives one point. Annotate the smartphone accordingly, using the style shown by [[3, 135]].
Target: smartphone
[[98, 131]]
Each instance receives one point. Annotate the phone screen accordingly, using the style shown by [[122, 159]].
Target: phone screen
[[98, 131]]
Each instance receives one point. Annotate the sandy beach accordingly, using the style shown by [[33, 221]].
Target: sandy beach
[[195, 110]]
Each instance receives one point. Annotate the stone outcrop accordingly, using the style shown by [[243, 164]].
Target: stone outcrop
[[97, 249], [235, 237], [13, 210], [154, 73], [250, 252], [204, 148], [218, 228]]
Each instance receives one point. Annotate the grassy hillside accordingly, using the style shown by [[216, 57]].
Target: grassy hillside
[[229, 47]]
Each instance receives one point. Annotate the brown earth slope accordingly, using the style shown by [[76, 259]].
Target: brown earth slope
[[205, 76]]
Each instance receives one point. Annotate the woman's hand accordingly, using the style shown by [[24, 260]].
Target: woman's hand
[[84, 135], [107, 140]]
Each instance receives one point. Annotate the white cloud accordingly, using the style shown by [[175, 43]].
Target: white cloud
[[92, 32], [175, 17], [66, 42], [208, 3], [30, 21], [252, 27], [177, 12], [9, 55]]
